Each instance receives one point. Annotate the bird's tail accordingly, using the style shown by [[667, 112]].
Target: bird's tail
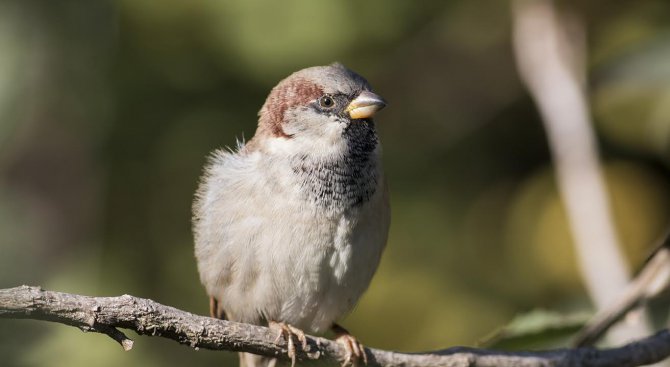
[[253, 360], [246, 359]]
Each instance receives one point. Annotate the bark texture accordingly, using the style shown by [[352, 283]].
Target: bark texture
[[107, 314]]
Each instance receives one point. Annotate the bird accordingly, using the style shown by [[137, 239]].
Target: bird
[[289, 226]]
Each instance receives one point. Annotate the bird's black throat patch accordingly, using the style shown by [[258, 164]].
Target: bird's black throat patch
[[347, 180]]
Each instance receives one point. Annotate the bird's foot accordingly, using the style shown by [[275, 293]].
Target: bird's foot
[[287, 331], [355, 349]]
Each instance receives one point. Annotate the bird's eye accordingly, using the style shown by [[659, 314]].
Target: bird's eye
[[326, 102]]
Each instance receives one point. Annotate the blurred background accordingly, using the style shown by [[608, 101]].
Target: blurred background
[[109, 108]]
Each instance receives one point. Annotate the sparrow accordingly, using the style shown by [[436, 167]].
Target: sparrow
[[290, 226]]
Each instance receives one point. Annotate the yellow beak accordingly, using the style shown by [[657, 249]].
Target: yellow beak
[[365, 105]]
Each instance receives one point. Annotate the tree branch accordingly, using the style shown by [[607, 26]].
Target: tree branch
[[146, 317], [550, 50]]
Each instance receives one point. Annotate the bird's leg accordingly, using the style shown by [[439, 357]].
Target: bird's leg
[[287, 331], [214, 310], [355, 350], [213, 306]]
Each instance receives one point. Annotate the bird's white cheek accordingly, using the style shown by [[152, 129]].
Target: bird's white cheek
[[327, 143], [323, 138], [332, 137]]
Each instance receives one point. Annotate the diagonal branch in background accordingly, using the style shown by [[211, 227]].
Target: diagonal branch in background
[[146, 317], [550, 61]]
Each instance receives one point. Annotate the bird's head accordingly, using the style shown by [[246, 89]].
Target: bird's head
[[318, 109]]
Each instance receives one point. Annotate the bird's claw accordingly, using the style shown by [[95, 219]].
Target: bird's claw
[[355, 350], [287, 331]]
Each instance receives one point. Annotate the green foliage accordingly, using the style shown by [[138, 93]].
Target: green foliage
[[538, 329]]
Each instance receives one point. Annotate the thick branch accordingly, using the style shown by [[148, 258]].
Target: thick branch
[[146, 317], [550, 54]]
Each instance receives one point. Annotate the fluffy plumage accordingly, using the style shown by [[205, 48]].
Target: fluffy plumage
[[290, 227]]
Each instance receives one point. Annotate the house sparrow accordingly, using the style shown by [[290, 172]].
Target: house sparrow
[[290, 227]]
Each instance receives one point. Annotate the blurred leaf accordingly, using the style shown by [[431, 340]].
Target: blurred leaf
[[631, 98], [12, 81], [536, 329]]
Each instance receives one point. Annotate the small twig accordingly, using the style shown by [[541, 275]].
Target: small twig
[[653, 279], [146, 317], [114, 333]]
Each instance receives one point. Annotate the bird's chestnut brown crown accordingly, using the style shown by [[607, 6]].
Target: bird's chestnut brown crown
[[328, 90]]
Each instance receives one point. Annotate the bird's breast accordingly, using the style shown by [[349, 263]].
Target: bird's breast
[[345, 180], [337, 184]]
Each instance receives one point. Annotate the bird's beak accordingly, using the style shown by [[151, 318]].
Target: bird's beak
[[365, 105]]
